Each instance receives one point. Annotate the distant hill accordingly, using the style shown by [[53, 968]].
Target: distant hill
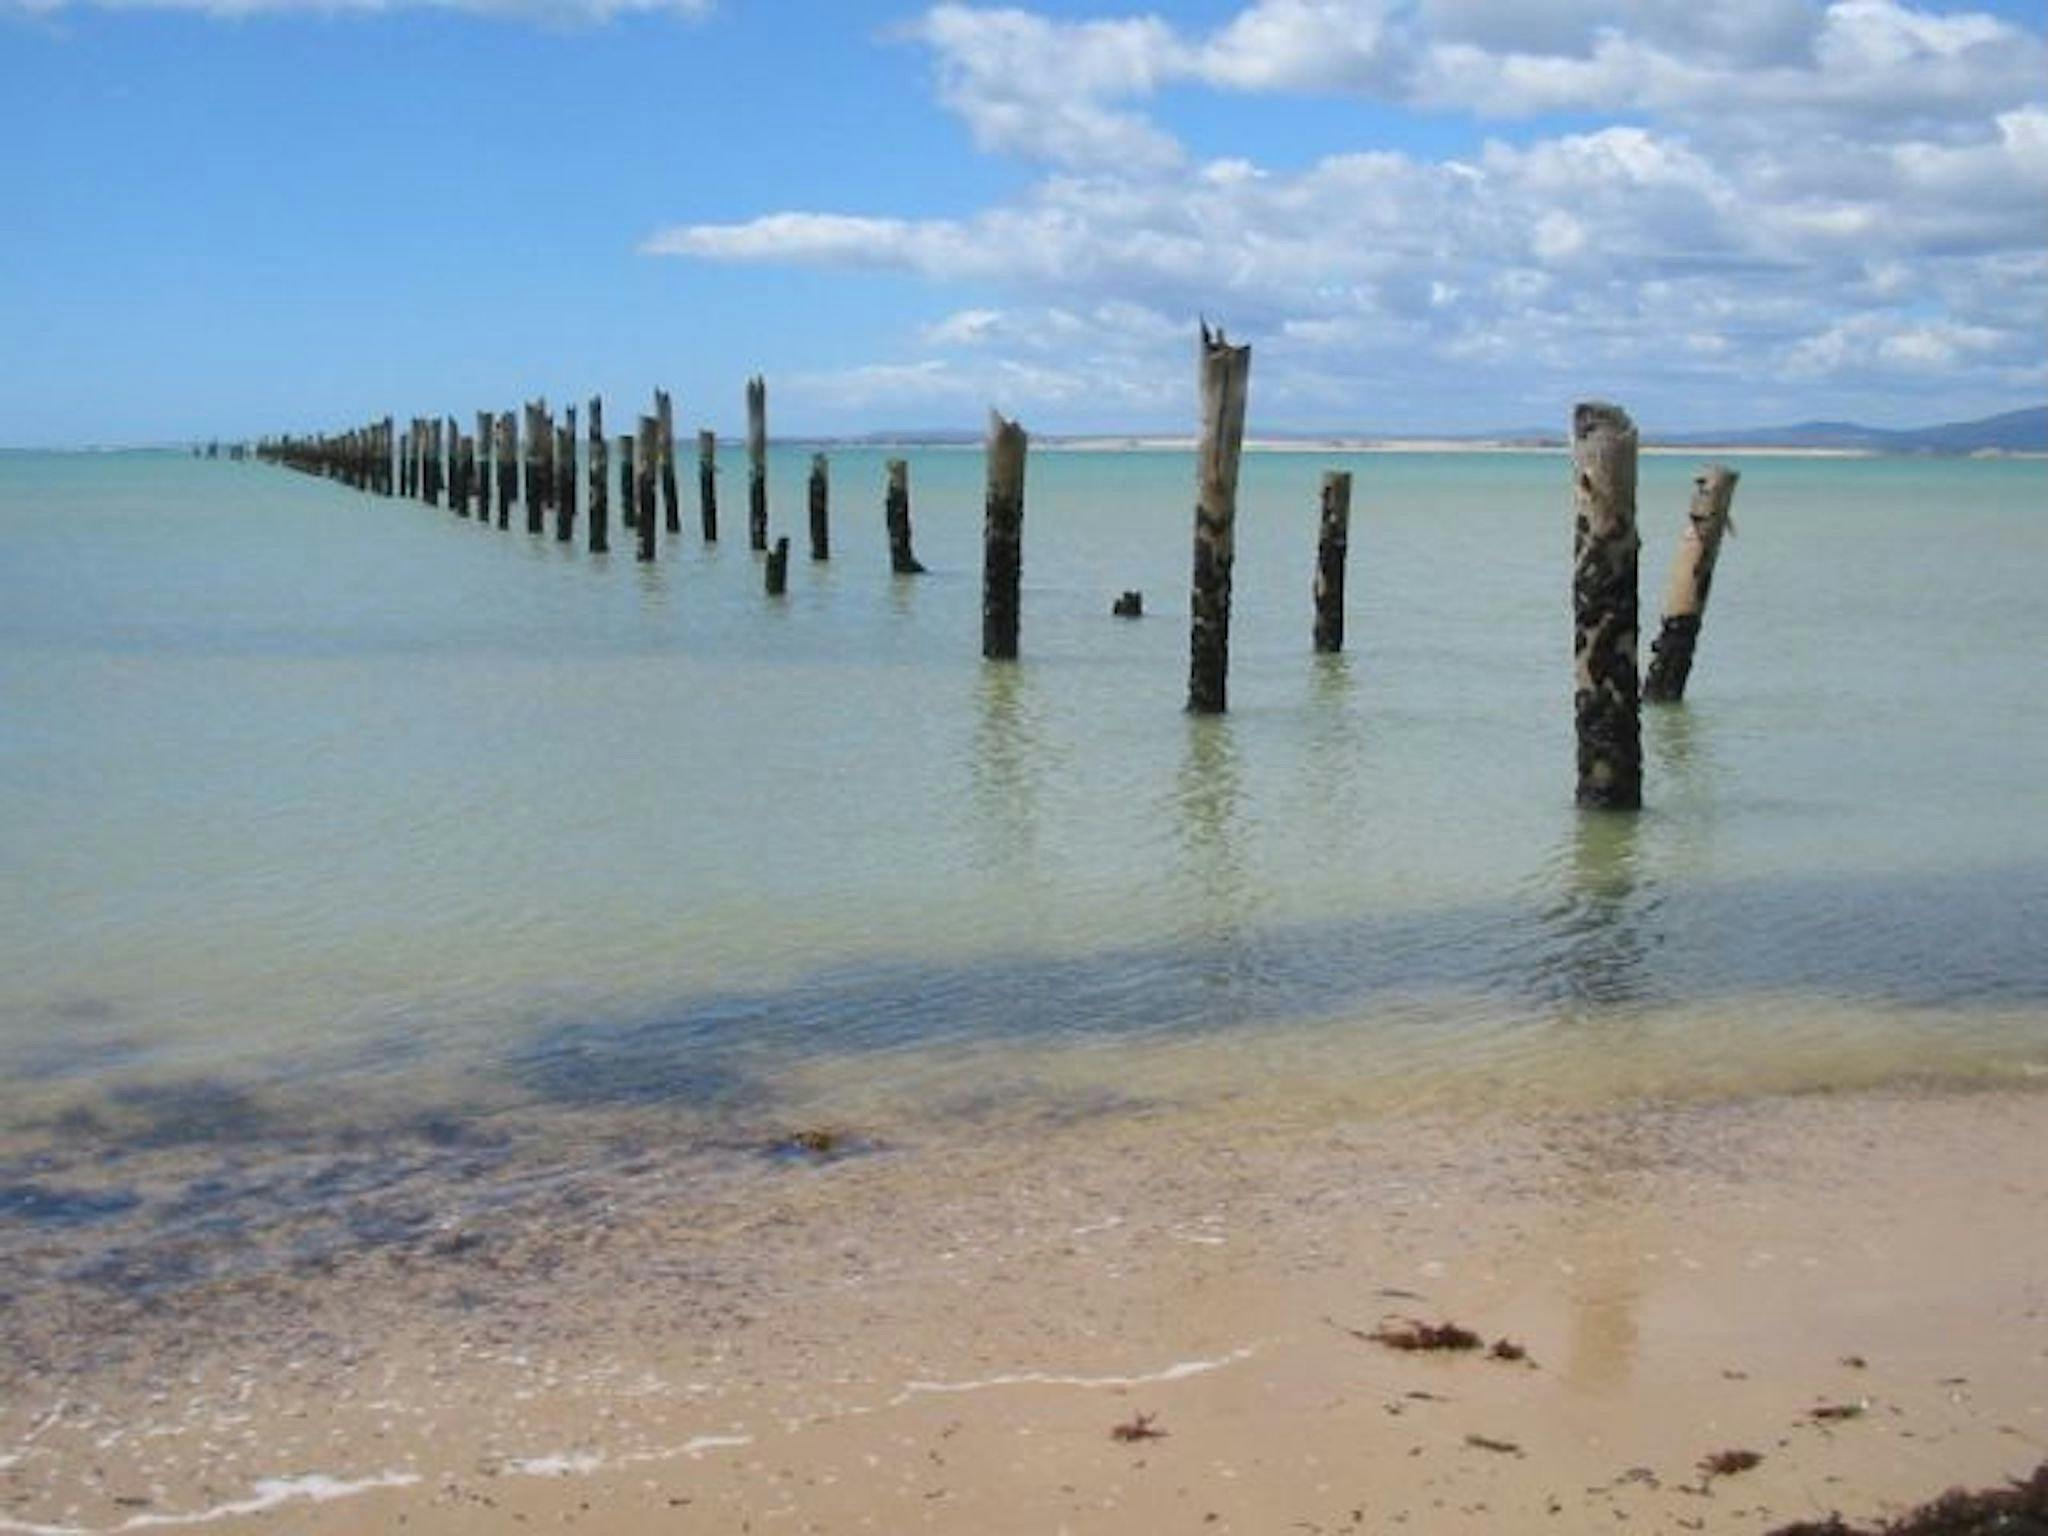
[[2022, 431]]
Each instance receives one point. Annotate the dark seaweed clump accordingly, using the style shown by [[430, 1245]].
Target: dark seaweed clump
[[2019, 1509]]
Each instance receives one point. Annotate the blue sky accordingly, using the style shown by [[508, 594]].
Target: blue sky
[[1424, 214]]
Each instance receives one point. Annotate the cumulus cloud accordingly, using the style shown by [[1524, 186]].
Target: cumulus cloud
[[1850, 192]]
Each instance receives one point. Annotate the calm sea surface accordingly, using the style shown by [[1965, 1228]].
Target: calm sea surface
[[324, 810]]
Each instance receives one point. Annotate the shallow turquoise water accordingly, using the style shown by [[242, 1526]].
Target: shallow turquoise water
[[335, 804]]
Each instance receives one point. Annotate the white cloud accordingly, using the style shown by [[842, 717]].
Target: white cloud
[[1833, 193], [1027, 85]]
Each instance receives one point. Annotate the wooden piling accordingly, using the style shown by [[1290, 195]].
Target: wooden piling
[[629, 516], [404, 462], [483, 467], [458, 483], [506, 452], [565, 477], [1605, 690], [1002, 539], [436, 472], [648, 450], [600, 483], [757, 463], [707, 484], [672, 512], [1225, 373], [896, 512], [1333, 542], [545, 427], [532, 465], [821, 511], [776, 571], [1692, 578]]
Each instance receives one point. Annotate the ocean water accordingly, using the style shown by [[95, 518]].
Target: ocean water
[[331, 817]]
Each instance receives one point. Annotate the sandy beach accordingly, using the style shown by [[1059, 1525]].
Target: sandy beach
[[1136, 1321]]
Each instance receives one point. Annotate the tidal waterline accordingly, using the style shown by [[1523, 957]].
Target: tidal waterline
[[329, 813]]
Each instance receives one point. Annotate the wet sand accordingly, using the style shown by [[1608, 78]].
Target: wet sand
[[944, 1334]]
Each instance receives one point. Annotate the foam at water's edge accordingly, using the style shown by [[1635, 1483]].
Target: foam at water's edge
[[270, 1492], [1180, 1370]]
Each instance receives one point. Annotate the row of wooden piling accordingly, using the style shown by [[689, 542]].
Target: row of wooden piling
[[530, 460], [433, 456]]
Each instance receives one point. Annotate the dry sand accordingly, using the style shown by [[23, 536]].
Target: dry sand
[[944, 1338]]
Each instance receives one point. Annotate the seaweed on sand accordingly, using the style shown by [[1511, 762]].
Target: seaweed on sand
[[1138, 1427], [1727, 1463], [1414, 1334], [2018, 1509]]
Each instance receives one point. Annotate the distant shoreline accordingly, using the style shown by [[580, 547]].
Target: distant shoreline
[[1165, 443]]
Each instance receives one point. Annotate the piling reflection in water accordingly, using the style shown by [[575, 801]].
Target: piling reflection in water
[[1005, 767], [1594, 933], [1207, 814]]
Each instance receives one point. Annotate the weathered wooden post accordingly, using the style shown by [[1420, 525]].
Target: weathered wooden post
[[600, 483], [707, 484], [565, 477], [820, 505], [484, 457], [629, 516], [458, 472], [672, 512], [1002, 539], [777, 568], [649, 450], [1225, 373], [1692, 578], [896, 511], [757, 462], [1332, 544], [404, 462], [547, 463], [1605, 701], [468, 459], [534, 481], [508, 466], [434, 463]]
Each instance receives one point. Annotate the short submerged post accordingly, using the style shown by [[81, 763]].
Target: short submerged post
[[896, 509], [664, 411], [1692, 578], [1002, 539], [1332, 545], [1605, 692], [777, 568], [1225, 372], [600, 485], [649, 450], [821, 513], [707, 484], [757, 463]]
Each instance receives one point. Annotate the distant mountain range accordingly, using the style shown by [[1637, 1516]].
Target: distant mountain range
[[2022, 431]]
